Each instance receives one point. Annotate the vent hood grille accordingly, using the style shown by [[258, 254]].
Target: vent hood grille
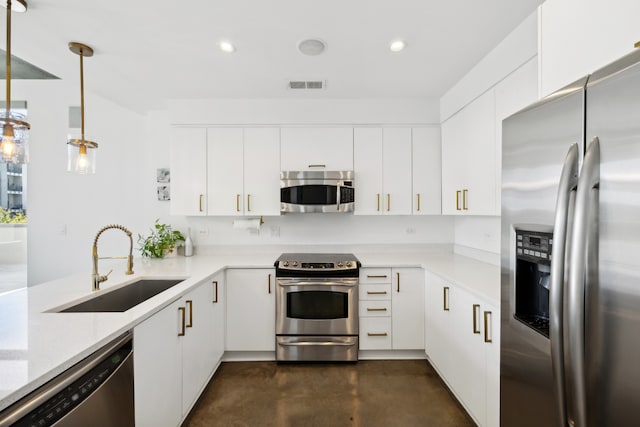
[[311, 84]]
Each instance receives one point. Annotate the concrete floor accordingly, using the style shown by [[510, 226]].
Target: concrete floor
[[369, 393]]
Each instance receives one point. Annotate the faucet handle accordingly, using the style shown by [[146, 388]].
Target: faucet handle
[[105, 277]]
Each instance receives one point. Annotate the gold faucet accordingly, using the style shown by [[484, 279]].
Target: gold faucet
[[96, 277]]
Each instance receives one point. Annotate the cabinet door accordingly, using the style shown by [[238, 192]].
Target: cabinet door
[[427, 171], [469, 381], [479, 157], [367, 164], [225, 171], [262, 171], [407, 297], [251, 310], [396, 169], [316, 149], [188, 171], [491, 323], [454, 168], [197, 343], [156, 364], [219, 321]]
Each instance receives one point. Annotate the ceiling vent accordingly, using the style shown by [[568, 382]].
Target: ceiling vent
[[301, 84]]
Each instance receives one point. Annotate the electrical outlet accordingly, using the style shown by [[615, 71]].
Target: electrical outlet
[[411, 230], [203, 232]]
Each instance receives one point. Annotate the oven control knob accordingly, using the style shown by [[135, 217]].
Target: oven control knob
[[286, 263], [339, 264], [347, 264], [294, 263]]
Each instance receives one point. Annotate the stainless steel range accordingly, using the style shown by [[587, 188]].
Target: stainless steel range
[[317, 307]]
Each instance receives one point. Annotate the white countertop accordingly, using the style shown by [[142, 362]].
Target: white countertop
[[37, 345]]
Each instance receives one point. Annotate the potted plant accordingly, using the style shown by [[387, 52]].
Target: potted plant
[[160, 242]]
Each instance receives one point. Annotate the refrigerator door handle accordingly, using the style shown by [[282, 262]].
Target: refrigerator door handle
[[585, 219], [566, 196]]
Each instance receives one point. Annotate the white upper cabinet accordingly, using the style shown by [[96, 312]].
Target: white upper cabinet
[[188, 171], [243, 171], [427, 171], [262, 171], [396, 169], [367, 164], [320, 148], [382, 162], [578, 37], [225, 171], [469, 175]]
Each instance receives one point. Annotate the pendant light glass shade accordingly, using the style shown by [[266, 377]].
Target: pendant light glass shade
[[14, 146], [81, 153]]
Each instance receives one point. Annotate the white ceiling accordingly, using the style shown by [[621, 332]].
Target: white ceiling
[[149, 51]]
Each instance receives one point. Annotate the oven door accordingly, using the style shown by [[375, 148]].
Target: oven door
[[317, 306]]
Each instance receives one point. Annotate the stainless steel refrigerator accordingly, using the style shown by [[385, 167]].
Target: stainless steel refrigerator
[[570, 273]]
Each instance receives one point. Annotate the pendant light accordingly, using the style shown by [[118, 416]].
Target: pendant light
[[81, 153], [14, 144]]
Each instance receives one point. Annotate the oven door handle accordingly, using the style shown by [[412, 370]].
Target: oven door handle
[[338, 198], [314, 343], [352, 284]]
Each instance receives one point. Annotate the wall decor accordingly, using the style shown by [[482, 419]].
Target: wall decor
[[163, 175], [164, 193]]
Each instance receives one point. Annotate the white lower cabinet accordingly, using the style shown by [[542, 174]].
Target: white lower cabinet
[[251, 309], [175, 357], [391, 308], [462, 343]]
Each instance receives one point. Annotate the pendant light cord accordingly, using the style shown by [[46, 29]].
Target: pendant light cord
[[82, 93], [8, 53]]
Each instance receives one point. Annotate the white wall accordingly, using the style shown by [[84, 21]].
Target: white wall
[[66, 210]]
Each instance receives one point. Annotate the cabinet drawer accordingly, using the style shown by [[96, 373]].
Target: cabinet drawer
[[375, 308], [375, 292], [375, 333], [375, 275]]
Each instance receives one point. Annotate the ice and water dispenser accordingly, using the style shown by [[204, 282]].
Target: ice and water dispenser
[[533, 268]]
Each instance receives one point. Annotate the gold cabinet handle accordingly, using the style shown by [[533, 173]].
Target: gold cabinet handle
[[487, 316], [237, 203], [376, 292], [181, 310], [373, 334], [190, 305], [215, 292], [376, 309], [376, 276], [418, 202], [200, 202], [248, 202], [388, 202], [476, 308], [378, 203], [269, 282], [398, 277], [317, 166], [445, 298], [464, 199], [458, 200]]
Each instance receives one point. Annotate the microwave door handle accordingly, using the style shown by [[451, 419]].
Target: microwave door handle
[[338, 197], [566, 196], [581, 278]]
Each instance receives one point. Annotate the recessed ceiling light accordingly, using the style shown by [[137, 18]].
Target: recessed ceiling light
[[312, 47], [227, 47], [397, 45]]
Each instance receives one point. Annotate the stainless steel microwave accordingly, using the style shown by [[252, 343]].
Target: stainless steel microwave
[[316, 191]]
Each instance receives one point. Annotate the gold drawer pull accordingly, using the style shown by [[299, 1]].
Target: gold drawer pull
[[464, 199], [376, 292], [181, 310], [200, 208], [190, 305], [373, 334], [418, 202], [376, 276], [378, 202], [376, 309], [476, 308], [487, 322], [317, 166], [215, 298], [458, 199], [445, 298]]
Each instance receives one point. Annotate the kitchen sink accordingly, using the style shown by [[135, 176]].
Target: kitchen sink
[[124, 298]]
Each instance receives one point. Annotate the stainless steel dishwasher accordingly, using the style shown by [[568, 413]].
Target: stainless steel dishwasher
[[97, 392]]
